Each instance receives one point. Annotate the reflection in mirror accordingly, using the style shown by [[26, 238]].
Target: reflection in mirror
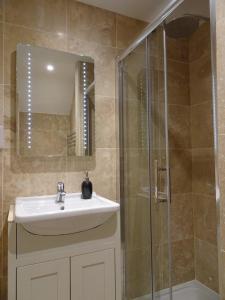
[[55, 103]]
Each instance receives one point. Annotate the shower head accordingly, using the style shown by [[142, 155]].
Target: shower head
[[183, 26]]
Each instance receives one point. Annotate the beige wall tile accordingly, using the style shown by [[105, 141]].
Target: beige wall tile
[[156, 44], [24, 184], [220, 72], [3, 291], [134, 67], [180, 161], [10, 107], [1, 49], [177, 49], [203, 171], [1, 104], [222, 274], [199, 43], [221, 170], [183, 261], [1, 10], [138, 287], [161, 266], [90, 23], [31, 165], [206, 263], [132, 124], [127, 30], [14, 35], [178, 83], [159, 225], [104, 58], [137, 220], [1, 203], [220, 6], [79, 163], [105, 124], [138, 273], [179, 127], [136, 177], [46, 15], [138, 262], [104, 175], [202, 125], [182, 229], [203, 174], [200, 80], [5, 245], [205, 219], [220, 117], [10, 139], [181, 217]]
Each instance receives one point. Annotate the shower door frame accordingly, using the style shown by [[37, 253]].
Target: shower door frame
[[152, 26], [212, 6], [169, 9], [144, 37], [150, 145]]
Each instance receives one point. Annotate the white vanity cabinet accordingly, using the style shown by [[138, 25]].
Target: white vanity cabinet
[[81, 266], [93, 276], [46, 281]]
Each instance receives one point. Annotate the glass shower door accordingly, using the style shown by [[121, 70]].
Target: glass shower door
[[159, 164], [144, 170], [135, 204]]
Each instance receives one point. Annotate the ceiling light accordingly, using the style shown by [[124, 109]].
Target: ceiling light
[[50, 68]]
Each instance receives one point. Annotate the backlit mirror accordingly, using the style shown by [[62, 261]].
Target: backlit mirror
[[55, 103]]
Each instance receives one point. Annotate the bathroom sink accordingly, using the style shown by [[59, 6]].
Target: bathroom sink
[[44, 216]]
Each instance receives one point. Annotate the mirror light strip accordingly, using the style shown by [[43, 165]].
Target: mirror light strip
[[85, 123], [29, 99]]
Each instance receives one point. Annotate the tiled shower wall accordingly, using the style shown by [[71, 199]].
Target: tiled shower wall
[[193, 207], [180, 161], [65, 25], [203, 173]]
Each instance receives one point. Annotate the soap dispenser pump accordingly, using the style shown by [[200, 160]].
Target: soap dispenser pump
[[86, 188]]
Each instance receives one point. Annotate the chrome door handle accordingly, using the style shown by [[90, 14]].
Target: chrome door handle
[[159, 196]]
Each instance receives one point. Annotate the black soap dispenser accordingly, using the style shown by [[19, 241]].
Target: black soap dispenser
[[86, 188]]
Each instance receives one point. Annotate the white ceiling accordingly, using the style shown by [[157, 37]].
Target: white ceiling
[[139, 9], [148, 10]]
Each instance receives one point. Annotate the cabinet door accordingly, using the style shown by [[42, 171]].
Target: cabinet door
[[45, 281], [93, 276]]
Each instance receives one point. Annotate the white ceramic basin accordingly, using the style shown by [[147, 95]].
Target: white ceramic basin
[[43, 216]]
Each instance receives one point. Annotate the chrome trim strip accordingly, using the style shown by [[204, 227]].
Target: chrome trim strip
[[168, 191], [121, 174], [149, 136], [212, 4], [155, 23]]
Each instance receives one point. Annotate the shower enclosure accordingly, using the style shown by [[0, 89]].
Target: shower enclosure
[[145, 160], [168, 206]]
